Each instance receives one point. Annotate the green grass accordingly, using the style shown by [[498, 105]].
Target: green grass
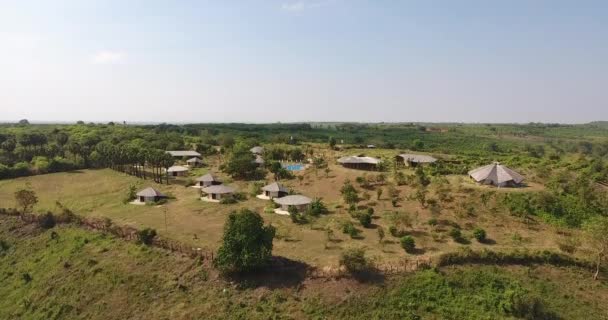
[[79, 274]]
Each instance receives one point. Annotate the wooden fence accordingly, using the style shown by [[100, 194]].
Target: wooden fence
[[129, 233]]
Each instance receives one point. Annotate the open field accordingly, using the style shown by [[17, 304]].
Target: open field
[[100, 193], [69, 273]]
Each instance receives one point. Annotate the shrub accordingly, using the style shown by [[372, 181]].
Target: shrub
[[131, 194], [432, 222], [4, 246], [349, 228], [228, 200], [47, 221], [479, 234], [317, 207], [146, 236], [246, 243], [365, 219], [408, 244], [354, 261], [456, 234]]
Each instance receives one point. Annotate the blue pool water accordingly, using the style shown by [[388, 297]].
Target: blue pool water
[[294, 167]]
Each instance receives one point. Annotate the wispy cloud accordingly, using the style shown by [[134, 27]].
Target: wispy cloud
[[108, 57], [298, 6]]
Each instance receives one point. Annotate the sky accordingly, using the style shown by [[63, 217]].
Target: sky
[[298, 60]]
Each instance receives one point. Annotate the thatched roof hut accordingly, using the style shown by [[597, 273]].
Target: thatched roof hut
[[216, 192], [177, 171], [299, 202], [257, 150], [258, 160], [496, 174], [195, 161], [355, 162], [207, 180], [149, 195], [183, 153], [415, 159], [274, 190]]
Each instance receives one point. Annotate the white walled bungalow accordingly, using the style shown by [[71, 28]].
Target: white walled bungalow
[[273, 190], [414, 160], [300, 202], [207, 180], [216, 193], [178, 171], [149, 195], [497, 175], [194, 162], [362, 163]]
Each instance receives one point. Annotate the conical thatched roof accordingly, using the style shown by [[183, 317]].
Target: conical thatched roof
[[257, 150], [150, 192], [294, 200], [208, 178], [218, 189], [275, 187], [258, 159], [354, 159], [417, 158], [495, 174]]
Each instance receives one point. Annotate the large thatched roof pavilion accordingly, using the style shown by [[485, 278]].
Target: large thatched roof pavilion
[[496, 174], [363, 163], [413, 160]]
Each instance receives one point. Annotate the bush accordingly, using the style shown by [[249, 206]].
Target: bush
[[456, 234], [365, 219], [317, 207], [246, 243], [228, 200], [408, 244], [146, 236], [432, 222], [4, 246], [479, 234], [354, 261], [47, 221], [349, 228]]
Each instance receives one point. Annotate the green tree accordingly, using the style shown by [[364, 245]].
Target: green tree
[[26, 200], [246, 244], [332, 142], [408, 244], [597, 230]]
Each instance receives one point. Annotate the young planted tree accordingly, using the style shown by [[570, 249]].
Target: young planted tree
[[597, 230], [246, 244], [26, 200], [349, 193]]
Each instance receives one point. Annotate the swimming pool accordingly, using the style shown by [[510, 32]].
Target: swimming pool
[[294, 167]]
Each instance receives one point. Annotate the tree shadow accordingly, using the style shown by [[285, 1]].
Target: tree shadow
[[370, 276], [488, 241], [281, 273], [417, 251]]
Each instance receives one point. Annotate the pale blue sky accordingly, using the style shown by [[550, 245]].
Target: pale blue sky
[[324, 60]]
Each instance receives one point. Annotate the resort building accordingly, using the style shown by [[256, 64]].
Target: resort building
[[149, 195], [216, 193], [362, 163], [207, 180], [497, 175], [194, 162], [184, 153], [414, 160], [299, 202], [273, 190], [257, 150], [177, 171]]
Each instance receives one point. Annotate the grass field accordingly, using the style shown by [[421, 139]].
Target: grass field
[[100, 193], [68, 273]]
